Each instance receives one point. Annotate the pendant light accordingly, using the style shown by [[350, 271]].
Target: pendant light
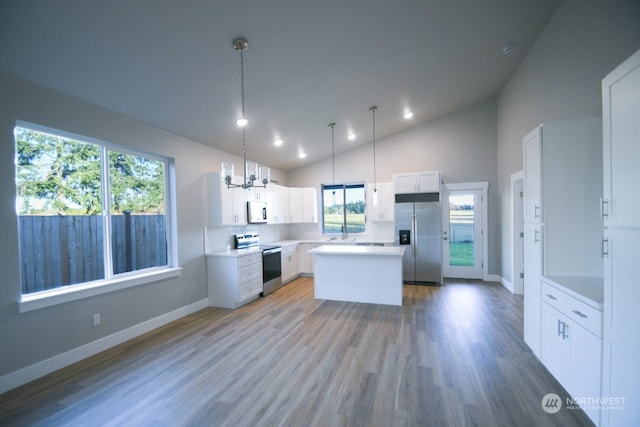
[[375, 187], [251, 172]]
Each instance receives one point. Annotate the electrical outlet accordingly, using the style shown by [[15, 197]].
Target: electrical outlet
[[96, 319]]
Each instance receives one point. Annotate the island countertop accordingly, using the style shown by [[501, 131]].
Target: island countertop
[[359, 250]]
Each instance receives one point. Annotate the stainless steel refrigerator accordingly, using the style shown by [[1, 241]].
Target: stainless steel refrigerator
[[418, 224]]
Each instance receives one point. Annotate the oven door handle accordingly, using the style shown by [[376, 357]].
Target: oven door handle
[[272, 251]]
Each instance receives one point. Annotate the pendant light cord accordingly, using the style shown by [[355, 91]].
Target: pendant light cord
[[373, 112], [333, 155], [244, 133]]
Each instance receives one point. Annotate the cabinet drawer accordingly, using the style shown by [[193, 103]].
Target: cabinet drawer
[[249, 259], [585, 315], [554, 297], [249, 288], [289, 250], [250, 272]]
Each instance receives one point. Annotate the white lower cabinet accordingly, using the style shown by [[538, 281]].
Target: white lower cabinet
[[289, 263], [305, 259], [234, 281], [571, 346]]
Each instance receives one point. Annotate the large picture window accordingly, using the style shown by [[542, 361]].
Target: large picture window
[[87, 211], [343, 208]]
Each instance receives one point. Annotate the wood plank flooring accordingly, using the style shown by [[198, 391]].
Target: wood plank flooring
[[450, 356]]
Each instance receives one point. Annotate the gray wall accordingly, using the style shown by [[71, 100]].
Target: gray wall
[[462, 145], [560, 78], [31, 337]]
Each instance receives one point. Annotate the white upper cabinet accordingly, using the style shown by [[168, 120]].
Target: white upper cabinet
[[277, 204], [621, 119], [384, 209], [532, 151], [416, 182], [225, 206], [303, 205]]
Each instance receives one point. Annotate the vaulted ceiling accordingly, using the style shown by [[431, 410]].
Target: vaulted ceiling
[[171, 63]]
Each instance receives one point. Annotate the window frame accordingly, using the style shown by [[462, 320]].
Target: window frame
[[343, 187], [112, 282]]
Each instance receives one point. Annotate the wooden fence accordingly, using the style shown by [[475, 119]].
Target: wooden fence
[[65, 250]]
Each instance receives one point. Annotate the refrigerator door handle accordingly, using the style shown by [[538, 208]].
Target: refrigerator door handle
[[414, 227]]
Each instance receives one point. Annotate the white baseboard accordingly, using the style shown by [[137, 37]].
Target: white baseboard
[[492, 278], [507, 284], [47, 366]]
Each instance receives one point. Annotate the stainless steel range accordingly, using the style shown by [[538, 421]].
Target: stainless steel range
[[271, 261]]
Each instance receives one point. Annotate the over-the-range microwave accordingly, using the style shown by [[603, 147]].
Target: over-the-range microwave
[[257, 212]]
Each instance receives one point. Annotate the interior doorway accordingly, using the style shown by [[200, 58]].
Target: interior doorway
[[463, 229]]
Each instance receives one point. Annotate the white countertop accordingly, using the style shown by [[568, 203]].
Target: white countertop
[[283, 243], [589, 290], [358, 250], [235, 252]]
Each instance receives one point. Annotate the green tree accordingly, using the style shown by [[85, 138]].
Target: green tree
[[57, 175]]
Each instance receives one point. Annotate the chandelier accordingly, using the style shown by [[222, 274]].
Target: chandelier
[[251, 172]]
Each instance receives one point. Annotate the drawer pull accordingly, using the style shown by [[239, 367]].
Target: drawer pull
[[551, 297], [584, 316]]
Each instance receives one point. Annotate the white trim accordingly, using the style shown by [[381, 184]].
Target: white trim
[[504, 282], [47, 366], [38, 300]]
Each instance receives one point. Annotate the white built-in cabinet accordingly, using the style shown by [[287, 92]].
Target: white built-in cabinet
[[572, 342], [289, 263], [303, 205], [532, 277], [384, 209], [277, 204], [621, 242], [234, 280], [532, 151], [416, 182], [224, 206], [228, 206], [562, 239]]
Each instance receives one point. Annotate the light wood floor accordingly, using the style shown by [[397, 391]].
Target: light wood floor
[[450, 356]]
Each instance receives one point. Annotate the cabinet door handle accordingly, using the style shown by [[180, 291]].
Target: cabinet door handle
[[551, 297], [536, 211], [565, 333], [604, 250], [584, 316], [536, 236], [604, 213], [560, 329]]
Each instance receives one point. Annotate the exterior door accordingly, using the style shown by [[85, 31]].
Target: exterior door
[[462, 234]]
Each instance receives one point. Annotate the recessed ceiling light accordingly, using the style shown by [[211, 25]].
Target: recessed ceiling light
[[242, 122], [408, 115], [351, 136], [278, 142], [302, 154]]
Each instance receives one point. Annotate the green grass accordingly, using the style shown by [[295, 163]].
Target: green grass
[[461, 254], [333, 223]]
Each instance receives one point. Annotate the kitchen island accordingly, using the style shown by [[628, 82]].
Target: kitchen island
[[370, 274]]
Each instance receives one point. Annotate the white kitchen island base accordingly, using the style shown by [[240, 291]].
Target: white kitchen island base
[[370, 274]]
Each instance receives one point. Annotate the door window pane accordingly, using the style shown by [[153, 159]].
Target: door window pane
[[461, 230]]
